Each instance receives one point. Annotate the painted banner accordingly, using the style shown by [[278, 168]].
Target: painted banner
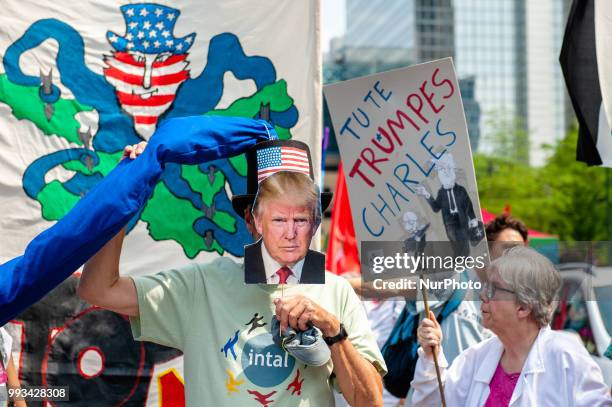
[[407, 159], [80, 82]]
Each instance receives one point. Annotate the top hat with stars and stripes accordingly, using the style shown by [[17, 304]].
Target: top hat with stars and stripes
[[149, 30], [270, 157]]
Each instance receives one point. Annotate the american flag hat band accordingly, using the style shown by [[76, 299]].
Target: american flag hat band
[[271, 160], [270, 157]]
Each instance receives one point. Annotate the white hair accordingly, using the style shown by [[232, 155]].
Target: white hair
[[446, 161], [409, 216], [532, 277]]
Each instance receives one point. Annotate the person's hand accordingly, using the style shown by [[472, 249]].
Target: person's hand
[[297, 310], [429, 335], [420, 190], [473, 223], [134, 150]]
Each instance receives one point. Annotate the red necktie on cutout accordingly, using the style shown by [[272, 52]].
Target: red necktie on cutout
[[283, 274]]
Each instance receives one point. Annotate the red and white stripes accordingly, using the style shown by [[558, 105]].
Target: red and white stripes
[[145, 85]]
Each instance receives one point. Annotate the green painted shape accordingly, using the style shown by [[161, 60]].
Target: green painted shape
[[216, 247], [106, 164], [278, 98], [239, 163], [275, 94], [225, 221], [283, 133], [169, 218], [198, 181], [27, 105], [55, 200]]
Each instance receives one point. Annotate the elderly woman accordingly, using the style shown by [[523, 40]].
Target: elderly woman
[[525, 363]]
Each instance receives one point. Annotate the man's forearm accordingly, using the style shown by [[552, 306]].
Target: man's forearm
[[359, 381], [101, 284], [101, 271]]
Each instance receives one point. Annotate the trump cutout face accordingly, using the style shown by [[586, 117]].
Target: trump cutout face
[[286, 230]]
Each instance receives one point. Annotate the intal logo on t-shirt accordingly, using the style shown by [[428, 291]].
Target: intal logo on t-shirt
[[264, 363]]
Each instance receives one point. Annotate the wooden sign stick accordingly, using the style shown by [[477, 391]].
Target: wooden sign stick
[[434, 352]]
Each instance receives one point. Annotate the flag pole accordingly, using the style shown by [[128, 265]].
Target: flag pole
[[434, 351]]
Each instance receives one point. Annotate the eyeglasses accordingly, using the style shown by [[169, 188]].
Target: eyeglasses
[[490, 290]]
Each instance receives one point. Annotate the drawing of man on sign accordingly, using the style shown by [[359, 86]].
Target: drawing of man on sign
[[454, 201], [415, 240]]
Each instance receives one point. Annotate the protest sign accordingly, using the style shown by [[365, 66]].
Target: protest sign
[[408, 165]]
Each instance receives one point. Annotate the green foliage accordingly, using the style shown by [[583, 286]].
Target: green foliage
[[509, 138], [564, 197], [577, 194], [502, 181]]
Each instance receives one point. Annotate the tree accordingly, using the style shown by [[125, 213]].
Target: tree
[[564, 197], [507, 137], [576, 194]]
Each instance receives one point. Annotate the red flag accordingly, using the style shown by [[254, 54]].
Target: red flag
[[342, 254]]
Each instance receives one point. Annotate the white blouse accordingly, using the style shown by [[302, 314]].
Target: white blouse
[[558, 372]]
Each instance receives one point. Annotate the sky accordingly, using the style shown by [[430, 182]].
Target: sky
[[333, 21]]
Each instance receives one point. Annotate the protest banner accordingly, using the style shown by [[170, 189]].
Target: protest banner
[[408, 164], [78, 83]]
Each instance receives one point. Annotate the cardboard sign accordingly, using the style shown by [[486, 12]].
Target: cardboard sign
[[408, 165]]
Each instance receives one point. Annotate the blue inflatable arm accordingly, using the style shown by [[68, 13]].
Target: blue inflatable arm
[[56, 253]]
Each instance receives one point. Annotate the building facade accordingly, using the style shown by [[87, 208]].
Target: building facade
[[505, 54], [511, 48]]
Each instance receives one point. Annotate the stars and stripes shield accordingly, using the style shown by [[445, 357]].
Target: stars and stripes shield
[[283, 158]]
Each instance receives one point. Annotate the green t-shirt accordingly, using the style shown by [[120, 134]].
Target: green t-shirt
[[222, 326]]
